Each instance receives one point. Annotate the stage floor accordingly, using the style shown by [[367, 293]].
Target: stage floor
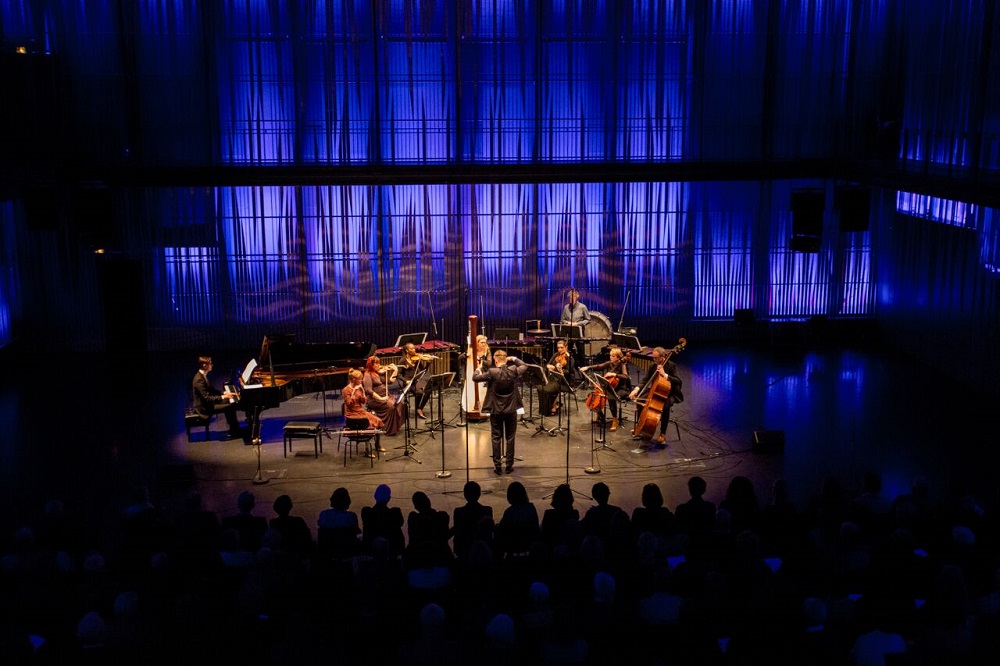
[[841, 411]]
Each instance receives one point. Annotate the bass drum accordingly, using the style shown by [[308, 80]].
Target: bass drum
[[599, 331]]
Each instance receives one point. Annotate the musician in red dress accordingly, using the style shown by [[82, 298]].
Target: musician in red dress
[[377, 392], [355, 401]]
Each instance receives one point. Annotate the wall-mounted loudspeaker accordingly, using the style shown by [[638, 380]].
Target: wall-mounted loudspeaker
[[854, 205]]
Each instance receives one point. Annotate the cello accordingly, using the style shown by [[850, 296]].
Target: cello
[[656, 400], [472, 401]]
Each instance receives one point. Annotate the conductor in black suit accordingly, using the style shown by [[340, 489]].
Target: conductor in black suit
[[503, 400], [209, 400]]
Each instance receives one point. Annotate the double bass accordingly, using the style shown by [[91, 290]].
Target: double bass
[[656, 400], [472, 393]]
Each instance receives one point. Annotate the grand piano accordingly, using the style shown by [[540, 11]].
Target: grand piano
[[288, 368]]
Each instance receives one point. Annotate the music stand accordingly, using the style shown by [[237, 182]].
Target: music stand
[[612, 397], [564, 388], [530, 359], [406, 422], [568, 331], [626, 342], [535, 375], [415, 338], [439, 383]]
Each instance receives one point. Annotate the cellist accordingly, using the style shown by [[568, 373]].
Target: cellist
[[616, 372], [665, 368]]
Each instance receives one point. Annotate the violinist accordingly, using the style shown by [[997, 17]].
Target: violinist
[[413, 362], [615, 370], [665, 368], [560, 367], [380, 402]]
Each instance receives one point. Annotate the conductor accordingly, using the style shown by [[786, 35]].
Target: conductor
[[503, 400]]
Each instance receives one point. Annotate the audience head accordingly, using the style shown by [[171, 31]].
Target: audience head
[[697, 486], [562, 498], [516, 493], [245, 501], [652, 498], [538, 592], [500, 631], [604, 587], [282, 505], [472, 491], [432, 620], [421, 502], [383, 494], [340, 499], [601, 492]]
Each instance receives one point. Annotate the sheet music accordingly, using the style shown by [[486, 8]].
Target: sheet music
[[247, 373]]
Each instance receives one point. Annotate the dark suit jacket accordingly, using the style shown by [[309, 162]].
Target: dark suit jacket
[[204, 395], [503, 395]]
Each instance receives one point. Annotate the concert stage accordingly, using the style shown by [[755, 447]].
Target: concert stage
[[841, 411]]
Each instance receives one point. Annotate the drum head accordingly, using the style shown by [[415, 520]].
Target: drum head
[[599, 331]]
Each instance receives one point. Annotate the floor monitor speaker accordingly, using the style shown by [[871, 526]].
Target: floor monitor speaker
[[768, 441]]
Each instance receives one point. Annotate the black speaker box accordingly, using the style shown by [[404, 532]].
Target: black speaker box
[[805, 243], [854, 204], [744, 317], [768, 441], [807, 213]]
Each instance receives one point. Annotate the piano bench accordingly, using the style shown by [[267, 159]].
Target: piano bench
[[193, 419], [303, 430]]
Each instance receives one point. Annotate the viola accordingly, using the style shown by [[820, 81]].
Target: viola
[[656, 400]]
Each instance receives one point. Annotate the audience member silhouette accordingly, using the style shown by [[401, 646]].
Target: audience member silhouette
[[518, 528], [337, 528], [652, 516], [697, 515], [250, 527], [427, 532], [296, 538], [741, 503], [467, 518], [560, 526], [381, 520], [597, 520]]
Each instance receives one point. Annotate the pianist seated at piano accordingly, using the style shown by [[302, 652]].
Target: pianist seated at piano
[[376, 384], [354, 404], [209, 400]]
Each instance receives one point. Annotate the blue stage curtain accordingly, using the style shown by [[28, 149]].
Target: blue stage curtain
[[342, 253], [499, 251], [723, 217], [262, 245]]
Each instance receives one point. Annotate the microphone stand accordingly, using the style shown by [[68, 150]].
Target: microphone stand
[[622, 318], [430, 303]]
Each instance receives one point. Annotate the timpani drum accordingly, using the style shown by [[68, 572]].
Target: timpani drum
[[598, 332]]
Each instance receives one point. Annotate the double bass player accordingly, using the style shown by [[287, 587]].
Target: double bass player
[[663, 368]]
